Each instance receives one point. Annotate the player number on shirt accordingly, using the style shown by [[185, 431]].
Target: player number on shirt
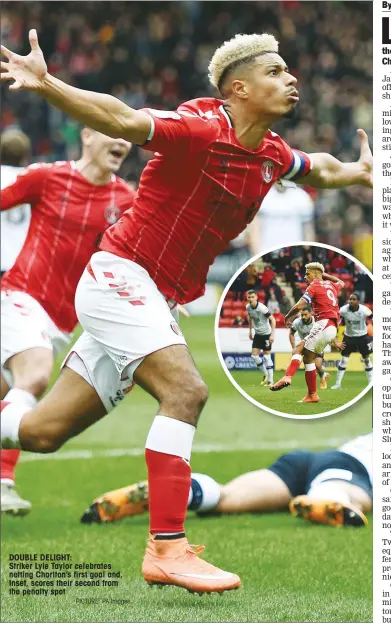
[[332, 298]]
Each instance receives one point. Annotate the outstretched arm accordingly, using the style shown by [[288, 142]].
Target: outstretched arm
[[98, 111], [328, 172]]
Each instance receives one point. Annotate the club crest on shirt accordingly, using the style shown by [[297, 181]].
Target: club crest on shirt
[[174, 326], [267, 171], [112, 214]]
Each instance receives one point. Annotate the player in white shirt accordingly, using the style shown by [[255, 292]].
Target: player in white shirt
[[356, 338], [302, 327], [15, 153], [332, 487], [262, 327], [286, 216]]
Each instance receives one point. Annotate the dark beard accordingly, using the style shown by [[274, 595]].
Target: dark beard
[[292, 113]]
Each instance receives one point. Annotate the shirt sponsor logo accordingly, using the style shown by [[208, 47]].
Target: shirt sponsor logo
[[112, 214], [267, 171]]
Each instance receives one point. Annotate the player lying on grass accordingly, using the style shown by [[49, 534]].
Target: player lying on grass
[[72, 204], [356, 338], [302, 326], [322, 295], [215, 160], [262, 326], [333, 487]]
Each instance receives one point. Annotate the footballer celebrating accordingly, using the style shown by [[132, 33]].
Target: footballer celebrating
[[72, 204], [215, 161], [322, 295], [302, 326], [262, 326], [356, 338]]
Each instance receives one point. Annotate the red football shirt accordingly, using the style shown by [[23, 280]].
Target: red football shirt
[[68, 218], [323, 297], [198, 193]]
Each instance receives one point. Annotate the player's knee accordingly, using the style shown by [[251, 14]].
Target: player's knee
[[196, 395], [188, 402], [42, 439]]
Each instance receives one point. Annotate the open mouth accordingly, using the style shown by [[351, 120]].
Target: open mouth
[[117, 153]]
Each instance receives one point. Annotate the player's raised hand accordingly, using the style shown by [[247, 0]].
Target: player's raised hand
[[288, 322], [27, 72], [366, 159]]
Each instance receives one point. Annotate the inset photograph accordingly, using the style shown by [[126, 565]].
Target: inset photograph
[[294, 330]]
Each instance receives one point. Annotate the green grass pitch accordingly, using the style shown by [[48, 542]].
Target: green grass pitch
[[287, 400], [290, 571]]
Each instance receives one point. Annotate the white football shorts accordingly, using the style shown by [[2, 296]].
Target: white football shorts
[[24, 325], [322, 333], [125, 318]]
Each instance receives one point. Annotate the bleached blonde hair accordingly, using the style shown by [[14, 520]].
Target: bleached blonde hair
[[315, 266], [237, 49]]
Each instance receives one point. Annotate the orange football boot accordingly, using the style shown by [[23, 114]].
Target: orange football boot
[[175, 562], [323, 382], [286, 381], [327, 512], [309, 398], [117, 504]]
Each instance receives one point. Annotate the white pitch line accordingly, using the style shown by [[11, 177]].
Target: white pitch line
[[67, 455]]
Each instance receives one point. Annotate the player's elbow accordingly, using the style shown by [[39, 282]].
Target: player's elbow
[[135, 126]]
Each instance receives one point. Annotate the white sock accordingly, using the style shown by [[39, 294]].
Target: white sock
[[170, 436], [368, 369], [258, 360], [21, 396], [342, 369], [204, 494], [264, 369], [11, 417], [330, 490], [269, 368]]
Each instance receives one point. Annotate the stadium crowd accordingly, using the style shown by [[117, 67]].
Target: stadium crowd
[[278, 279], [156, 54]]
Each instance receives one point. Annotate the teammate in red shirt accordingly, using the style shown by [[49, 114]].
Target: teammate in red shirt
[[215, 160], [322, 294], [73, 203]]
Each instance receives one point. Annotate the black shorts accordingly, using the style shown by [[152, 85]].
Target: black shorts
[[299, 468], [362, 344], [262, 342]]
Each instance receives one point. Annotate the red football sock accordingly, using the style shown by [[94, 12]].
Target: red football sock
[[293, 367], [169, 483], [9, 459], [310, 379]]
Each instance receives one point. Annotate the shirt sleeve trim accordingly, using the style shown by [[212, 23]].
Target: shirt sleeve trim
[[151, 131]]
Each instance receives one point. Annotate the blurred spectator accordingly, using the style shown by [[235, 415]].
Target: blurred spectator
[[297, 292], [362, 285], [285, 304], [253, 281], [272, 304], [275, 289], [267, 276], [238, 321]]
